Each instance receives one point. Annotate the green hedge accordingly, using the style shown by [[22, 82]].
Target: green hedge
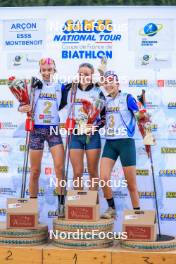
[[11, 3]]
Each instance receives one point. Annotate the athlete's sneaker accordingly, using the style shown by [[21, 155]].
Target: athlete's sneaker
[[61, 211], [109, 213]]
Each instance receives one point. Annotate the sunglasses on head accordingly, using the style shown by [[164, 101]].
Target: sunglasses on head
[[48, 61]]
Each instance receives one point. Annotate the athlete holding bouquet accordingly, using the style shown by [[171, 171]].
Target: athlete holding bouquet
[[86, 138], [47, 102]]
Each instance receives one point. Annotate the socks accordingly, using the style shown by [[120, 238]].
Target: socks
[[136, 208], [111, 202], [61, 199]]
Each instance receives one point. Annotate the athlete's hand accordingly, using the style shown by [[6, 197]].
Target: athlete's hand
[[91, 129], [25, 108]]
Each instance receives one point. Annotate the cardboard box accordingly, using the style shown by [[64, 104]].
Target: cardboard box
[[140, 225], [22, 213], [82, 206]]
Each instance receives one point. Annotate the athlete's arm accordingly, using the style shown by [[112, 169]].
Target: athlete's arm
[[64, 90], [102, 113]]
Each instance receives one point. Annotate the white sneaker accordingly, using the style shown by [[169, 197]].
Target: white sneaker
[[109, 213]]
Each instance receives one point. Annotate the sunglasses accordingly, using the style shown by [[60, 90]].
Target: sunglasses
[[48, 61]]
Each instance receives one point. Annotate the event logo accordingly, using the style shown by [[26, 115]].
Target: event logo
[[170, 194], [4, 169], [140, 172], [88, 26], [138, 83], [146, 195], [7, 125], [98, 32], [168, 150], [5, 147], [168, 217], [6, 103], [167, 173], [150, 30]]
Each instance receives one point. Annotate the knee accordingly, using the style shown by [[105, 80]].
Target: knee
[[132, 187], [78, 173], [59, 168], [35, 173], [93, 172], [104, 177]]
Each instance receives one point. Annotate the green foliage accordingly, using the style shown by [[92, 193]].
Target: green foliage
[[12, 3]]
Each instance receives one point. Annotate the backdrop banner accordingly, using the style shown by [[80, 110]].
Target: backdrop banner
[[139, 47]]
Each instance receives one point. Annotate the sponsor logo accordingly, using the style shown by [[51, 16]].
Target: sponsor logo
[[23, 147], [41, 116], [142, 172], [23, 26], [49, 171], [170, 194], [146, 195], [146, 59], [40, 193], [52, 214], [167, 173], [6, 103], [3, 81], [7, 191], [172, 128], [141, 151], [7, 125], [2, 212], [172, 105], [168, 217], [5, 147], [150, 105], [138, 83], [4, 169], [168, 150], [20, 169], [148, 32], [119, 194], [166, 83]]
